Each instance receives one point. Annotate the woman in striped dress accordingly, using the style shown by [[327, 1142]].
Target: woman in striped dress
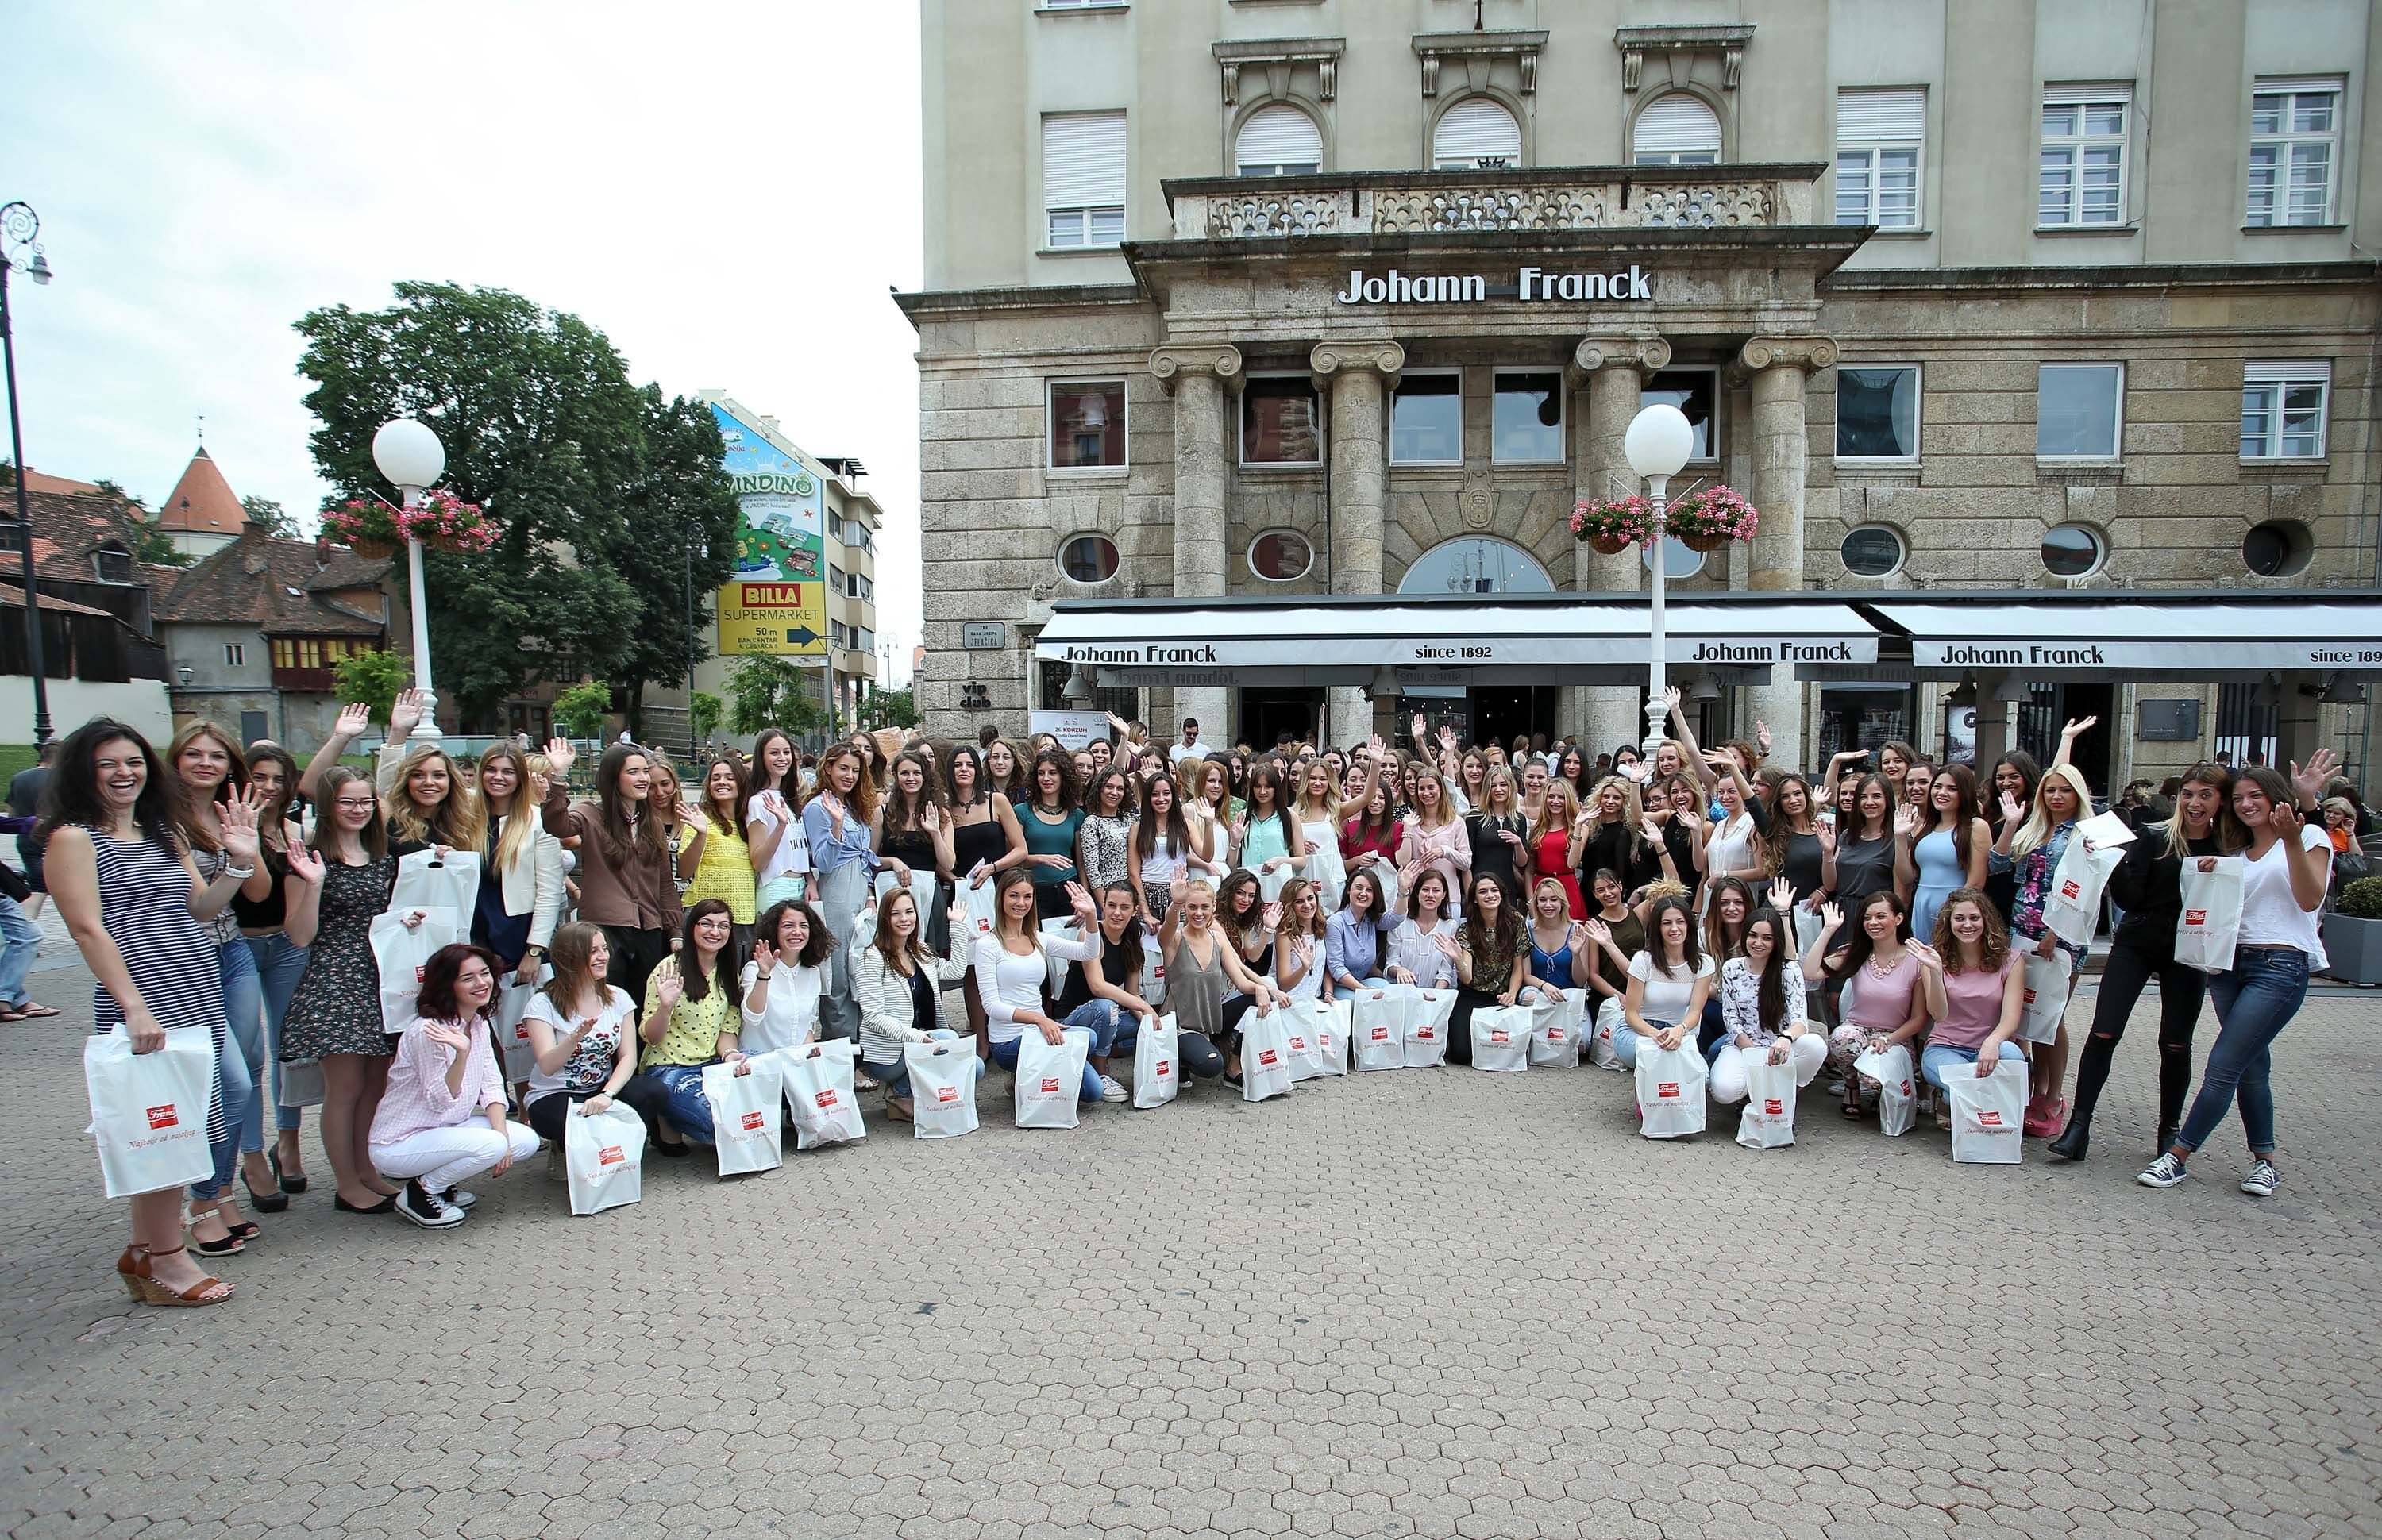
[[138, 910]]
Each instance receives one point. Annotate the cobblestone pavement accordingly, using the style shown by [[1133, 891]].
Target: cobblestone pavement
[[1429, 1303]]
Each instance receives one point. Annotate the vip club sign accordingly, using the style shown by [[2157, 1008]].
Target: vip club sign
[[775, 601]]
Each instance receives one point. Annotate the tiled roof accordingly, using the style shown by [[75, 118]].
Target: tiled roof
[[281, 587], [202, 502], [68, 526], [13, 598], [37, 479]]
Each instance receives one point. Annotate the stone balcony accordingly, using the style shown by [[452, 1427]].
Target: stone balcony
[[1552, 198]]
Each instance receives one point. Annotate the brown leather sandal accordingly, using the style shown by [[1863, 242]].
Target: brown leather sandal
[[148, 1291]]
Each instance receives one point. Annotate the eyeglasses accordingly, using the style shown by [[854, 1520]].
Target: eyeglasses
[[366, 802]]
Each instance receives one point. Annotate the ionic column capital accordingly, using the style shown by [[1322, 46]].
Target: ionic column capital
[[1645, 352], [1169, 362], [1807, 352], [1380, 356]]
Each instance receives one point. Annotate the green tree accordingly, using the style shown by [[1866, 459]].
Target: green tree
[[774, 692], [582, 710], [272, 517], [542, 428], [704, 713], [889, 708], [678, 531], [374, 678]]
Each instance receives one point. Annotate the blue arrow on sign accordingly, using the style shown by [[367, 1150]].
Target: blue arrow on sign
[[800, 636]]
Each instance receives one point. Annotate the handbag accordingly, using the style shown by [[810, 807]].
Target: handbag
[[402, 953], [942, 1088], [148, 1111], [2071, 908], [747, 1116], [1610, 1019], [1988, 1113], [1501, 1037], [2210, 926], [818, 1093], [604, 1156], [512, 1033], [1897, 1097], [302, 1083], [2044, 995], [1670, 1090], [426, 882]]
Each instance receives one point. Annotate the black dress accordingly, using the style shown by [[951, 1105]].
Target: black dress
[[336, 1008], [916, 849]]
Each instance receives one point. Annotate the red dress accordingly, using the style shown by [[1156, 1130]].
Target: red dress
[[1553, 854]]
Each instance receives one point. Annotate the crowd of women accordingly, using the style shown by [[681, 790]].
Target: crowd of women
[[661, 924]]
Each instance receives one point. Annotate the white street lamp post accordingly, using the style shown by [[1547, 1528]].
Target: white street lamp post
[[1657, 445], [410, 455]]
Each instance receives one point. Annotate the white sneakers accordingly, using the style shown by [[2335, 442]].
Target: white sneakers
[[2167, 1171], [1110, 1091]]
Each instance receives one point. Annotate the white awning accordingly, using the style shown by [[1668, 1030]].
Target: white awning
[[2140, 636]]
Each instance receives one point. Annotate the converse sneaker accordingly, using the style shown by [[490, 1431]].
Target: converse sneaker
[[2262, 1178], [420, 1206], [459, 1197], [2166, 1172], [1110, 1091]]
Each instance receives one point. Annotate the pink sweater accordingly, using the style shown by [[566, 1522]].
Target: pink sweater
[[417, 1097]]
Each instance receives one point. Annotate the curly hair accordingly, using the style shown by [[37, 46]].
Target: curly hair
[[1993, 948]]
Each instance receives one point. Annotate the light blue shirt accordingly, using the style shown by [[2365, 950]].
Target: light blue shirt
[[831, 851]]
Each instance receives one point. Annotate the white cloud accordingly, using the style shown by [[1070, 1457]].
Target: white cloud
[[726, 191]]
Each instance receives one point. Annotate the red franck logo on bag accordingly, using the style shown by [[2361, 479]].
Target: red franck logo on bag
[[1667, 1091], [2069, 889], [2196, 917], [1989, 1119], [1499, 1036], [826, 1098], [1267, 1057], [1165, 1068], [1380, 1035], [2030, 1000], [946, 1093], [1049, 1085], [164, 1116], [1297, 1043], [611, 1155], [753, 1121], [1773, 1108]]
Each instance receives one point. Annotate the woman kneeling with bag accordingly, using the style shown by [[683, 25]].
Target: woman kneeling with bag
[[442, 1119]]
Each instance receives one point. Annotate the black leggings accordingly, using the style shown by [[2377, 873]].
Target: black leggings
[[646, 1100], [2181, 989], [635, 955], [1459, 1022]]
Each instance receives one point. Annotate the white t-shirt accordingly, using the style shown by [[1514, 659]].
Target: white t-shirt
[[792, 856], [591, 1063], [1007, 983], [1181, 752], [1666, 993], [2270, 916]]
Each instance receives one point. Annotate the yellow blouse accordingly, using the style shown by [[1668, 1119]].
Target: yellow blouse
[[724, 872], [693, 1035]]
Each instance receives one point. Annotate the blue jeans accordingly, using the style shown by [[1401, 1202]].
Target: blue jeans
[[896, 1075], [1626, 1043], [1107, 1021], [1936, 1060], [690, 1109], [1005, 1054], [281, 962], [2256, 1000], [243, 994], [22, 942]]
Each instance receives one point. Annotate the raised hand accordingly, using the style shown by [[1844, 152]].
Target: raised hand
[[304, 864], [559, 754], [1928, 956], [1830, 917], [2078, 726], [405, 713], [958, 916], [1081, 902], [1599, 931], [1417, 726], [446, 1036], [354, 717], [1273, 914], [1178, 887], [668, 993], [2011, 811], [1826, 830], [765, 956], [1762, 734], [2309, 782], [1446, 944], [239, 832], [1906, 821], [1782, 894], [1670, 698]]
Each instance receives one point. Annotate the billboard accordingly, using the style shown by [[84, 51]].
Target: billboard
[[775, 600]]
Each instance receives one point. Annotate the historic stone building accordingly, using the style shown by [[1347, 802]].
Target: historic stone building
[[1240, 299]]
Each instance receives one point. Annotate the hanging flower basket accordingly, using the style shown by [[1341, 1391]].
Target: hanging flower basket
[[371, 547], [1612, 525], [1710, 518], [375, 529]]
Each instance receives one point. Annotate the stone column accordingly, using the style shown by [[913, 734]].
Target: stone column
[[1201, 379], [1356, 375], [1780, 366], [1614, 370]]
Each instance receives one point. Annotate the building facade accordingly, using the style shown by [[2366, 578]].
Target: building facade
[[1240, 298]]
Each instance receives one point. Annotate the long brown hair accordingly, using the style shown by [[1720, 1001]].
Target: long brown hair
[[613, 808], [572, 946], [863, 801], [1992, 948], [902, 813], [914, 952], [1146, 829], [373, 838], [186, 814], [2226, 828], [737, 805]]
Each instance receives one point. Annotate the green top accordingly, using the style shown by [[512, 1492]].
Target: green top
[[1045, 838]]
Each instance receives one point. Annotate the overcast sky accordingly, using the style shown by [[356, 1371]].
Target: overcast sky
[[726, 189]]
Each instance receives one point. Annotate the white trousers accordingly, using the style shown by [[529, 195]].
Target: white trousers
[[1806, 1054], [449, 1157]]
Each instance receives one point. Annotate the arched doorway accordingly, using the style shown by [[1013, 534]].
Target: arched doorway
[[1481, 564]]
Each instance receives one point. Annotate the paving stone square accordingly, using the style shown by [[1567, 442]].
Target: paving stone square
[[1427, 1303]]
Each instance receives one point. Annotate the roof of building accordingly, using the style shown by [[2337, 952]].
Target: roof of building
[[281, 587], [13, 598], [202, 502], [68, 526], [37, 479]]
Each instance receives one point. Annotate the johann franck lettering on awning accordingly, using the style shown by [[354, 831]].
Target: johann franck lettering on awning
[[1531, 285], [1143, 655]]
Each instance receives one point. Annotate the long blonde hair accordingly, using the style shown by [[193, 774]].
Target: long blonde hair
[[456, 822], [521, 821], [1559, 796], [2036, 831]]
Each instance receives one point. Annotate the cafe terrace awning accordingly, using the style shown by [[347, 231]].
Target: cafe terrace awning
[[1508, 638], [2166, 637]]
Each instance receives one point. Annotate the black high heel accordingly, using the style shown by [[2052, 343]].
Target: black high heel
[[266, 1202], [288, 1183], [383, 1206]]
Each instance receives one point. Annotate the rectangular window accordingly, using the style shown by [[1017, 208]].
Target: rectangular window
[[2083, 170], [1881, 133], [1877, 412], [235, 654], [835, 525], [1526, 425], [284, 654], [12, 536], [2076, 410], [2283, 408], [1281, 420], [1084, 179], [1694, 393], [2294, 152], [1426, 420], [1086, 425]]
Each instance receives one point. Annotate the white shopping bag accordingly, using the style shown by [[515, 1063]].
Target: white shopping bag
[[1332, 1027], [1808, 924], [1377, 1025], [1427, 1027], [2044, 996], [1061, 967], [1556, 1024], [1270, 883], [982, 907], [942, 1088], [1050, 1080], [1769, 1119], [426, 882], [1153, 969], [748, 1123], [924, 889], [512, 1034], [1610, 1020], [302, 1083], [148, 1111], [1897, 1095], [819, 1093], [1500, 1037], [1265, 1056], [401, 955], [604, 1154], [2211, 923], [2072, 906], [1324, 867], [1988, 1112], [1157, 1062], [1670, 1088]]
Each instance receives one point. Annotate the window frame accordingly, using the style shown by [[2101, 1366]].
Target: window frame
[[235, 654], [2116, 416], [1241, 421], [1278, 168], [2284, 139], [1716, 155], [1562, 424], [12, 537], [1876, 147], [2083, 99], [1051, 389], [1059, 557], [1086, 219], [1917, 413], [100, 555], [2280, 374], [1646, 383], [1249, 556], [1901, 552], [1452, 371], [2101, 552], [1521, 157]]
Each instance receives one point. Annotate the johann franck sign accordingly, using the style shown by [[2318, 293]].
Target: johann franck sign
[[1532, 285]]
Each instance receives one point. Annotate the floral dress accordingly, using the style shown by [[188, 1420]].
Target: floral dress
[[336, 1007]]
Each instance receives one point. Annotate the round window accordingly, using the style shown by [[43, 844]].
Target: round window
[[2277, 548], [2073, 551], [1088, 559], [1281, 555], [1680, 560], [1873, 551]]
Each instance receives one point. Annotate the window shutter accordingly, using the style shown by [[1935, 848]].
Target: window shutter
[[1082, 160], [2287, 372], [1675, 123], [1885, 112], [1278, 135], [2065, 95], [1476, 127], [2268, 84]]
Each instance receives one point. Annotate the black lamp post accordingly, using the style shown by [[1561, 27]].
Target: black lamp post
[[18, 225]]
